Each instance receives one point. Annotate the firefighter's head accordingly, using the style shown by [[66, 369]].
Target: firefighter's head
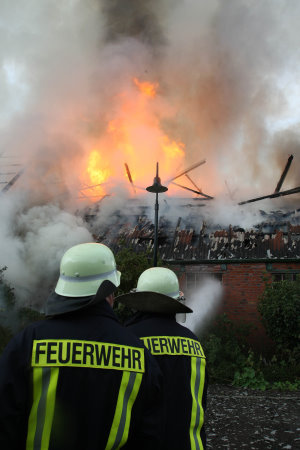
[[88, 274], [157, 291], [160, 280], [84, 268]]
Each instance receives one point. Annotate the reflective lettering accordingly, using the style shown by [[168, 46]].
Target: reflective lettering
[[173, 345], [39, 351], [88, 350], [191, 345], [116, 356], [137, 358], [75, 353], [103, 354], [51, 352], [184, 345], [199, 349], [155, 344], [125, 356], [64, 350], [163, 344]]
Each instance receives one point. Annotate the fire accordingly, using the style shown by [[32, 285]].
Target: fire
[[134, 136], [98, 174], [149, 89]]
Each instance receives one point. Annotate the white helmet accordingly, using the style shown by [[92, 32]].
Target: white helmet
[[157, 291], [160, 280], [84, 268]]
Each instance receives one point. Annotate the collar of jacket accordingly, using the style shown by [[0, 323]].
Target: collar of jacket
[[58, 304], [139, 316]]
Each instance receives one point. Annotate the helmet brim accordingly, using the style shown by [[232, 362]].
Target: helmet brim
[[147, 301]]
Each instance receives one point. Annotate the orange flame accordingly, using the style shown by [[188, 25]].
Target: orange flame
[[149, 89], [134, 135]]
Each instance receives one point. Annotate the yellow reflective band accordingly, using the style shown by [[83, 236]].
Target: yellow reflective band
[[173, 345], [90, 354], [197, 416], [128, 391], [42, 410]]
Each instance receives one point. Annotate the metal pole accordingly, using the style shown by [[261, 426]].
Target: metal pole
[[156, 230]]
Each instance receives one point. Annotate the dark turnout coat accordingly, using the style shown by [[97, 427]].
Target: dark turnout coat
[[182, 362], [79, 381]]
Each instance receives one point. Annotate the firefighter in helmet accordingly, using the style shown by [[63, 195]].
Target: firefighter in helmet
[[157, 300], [80, 380]]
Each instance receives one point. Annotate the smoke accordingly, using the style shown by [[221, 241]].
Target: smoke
[[228, 90], [205, 303], [33, 241]]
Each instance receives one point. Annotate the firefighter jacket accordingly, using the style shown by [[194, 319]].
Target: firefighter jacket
[[182, 362], [79, 381]]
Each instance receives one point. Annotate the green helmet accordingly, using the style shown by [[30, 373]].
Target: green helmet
[[83, 269], [160, 280], [157, 292]]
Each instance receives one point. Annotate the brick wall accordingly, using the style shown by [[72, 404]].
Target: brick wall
[[243, 283]]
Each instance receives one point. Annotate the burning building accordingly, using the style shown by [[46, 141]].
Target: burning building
[[107, 88]]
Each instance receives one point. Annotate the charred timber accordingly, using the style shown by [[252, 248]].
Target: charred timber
[[276, 194], [284, 174], [12, 181], [129, 177], [194, 166], [206, 197]]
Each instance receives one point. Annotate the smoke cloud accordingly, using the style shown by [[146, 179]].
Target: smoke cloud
[[228, 90], [205, 303]]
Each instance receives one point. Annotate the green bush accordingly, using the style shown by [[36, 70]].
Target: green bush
[[225, 349], [279, 307], [131, 265]]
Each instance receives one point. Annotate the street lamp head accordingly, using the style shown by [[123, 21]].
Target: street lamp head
[[156, 187]]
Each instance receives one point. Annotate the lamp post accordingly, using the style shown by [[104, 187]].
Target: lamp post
[[156, 189]]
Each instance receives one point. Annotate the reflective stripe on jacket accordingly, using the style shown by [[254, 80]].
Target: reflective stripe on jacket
[[81, 381], [183, 364]]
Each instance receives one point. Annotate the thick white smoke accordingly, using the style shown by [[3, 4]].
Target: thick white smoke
[[228, 89], [32, 243], [205, 303]]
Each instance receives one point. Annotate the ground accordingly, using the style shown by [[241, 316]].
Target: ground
[[248, 419]]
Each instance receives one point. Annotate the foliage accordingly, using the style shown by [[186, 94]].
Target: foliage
[[131, 265], [230, 360], [279, 307], [250, 376], [225, 348]]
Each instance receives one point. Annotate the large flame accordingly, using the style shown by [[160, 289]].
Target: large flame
[[134, 136]]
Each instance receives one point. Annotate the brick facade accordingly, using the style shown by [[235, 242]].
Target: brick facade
[[243, 283]]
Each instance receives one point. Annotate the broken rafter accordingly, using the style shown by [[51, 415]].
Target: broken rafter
[[276, 194], [12, 181], [187, 170], [193, 183], [199, 190], [206, 197], [284, 174], [92, 186], [129, 177]]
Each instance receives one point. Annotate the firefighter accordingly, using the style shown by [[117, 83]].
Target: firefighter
[[80, 380], [178, 351]]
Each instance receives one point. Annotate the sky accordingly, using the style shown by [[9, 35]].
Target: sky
[[226, 78]]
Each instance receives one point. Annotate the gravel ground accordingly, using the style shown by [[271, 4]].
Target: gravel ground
[[247, 419]]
